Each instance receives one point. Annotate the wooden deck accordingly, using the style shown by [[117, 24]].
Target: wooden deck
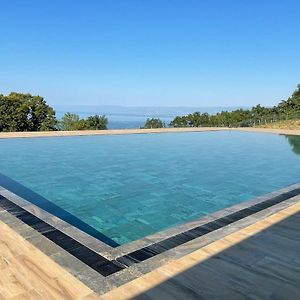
[[27, 273], [260, 261]]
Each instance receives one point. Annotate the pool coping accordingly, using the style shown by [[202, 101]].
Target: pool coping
[[102, 284], [13, 135], [110, 252]]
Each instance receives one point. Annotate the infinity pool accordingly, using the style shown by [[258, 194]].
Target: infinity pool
[[126, 187]]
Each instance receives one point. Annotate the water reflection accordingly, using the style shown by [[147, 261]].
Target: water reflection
[[294, 141]]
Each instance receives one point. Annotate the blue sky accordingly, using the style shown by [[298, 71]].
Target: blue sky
[[151, 52]]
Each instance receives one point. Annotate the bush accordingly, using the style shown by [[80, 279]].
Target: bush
[[73, 122], [154, 123], [96, 122]]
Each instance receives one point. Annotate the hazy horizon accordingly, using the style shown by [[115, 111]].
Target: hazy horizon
[[143, 110]]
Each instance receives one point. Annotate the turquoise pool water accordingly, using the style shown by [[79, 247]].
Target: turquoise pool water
[[129, 186]]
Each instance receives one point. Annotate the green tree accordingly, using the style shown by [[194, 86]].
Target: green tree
[[154, 123], [257, 115], [179, 122], [73, 122], [96, 122], [24, 112]]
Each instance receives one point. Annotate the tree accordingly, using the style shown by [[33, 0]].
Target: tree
[[154, 123], [286, 109], [24, 112], [73, 122], [70, 122], [179, 122], [96, 122]]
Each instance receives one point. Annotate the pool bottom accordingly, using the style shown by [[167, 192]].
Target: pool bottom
[[108, 266], [36, 199], [127, 195]]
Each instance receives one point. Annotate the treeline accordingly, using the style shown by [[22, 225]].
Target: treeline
[[258, 115], [24, 112]]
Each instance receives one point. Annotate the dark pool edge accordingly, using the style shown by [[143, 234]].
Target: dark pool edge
[[202, 230], [181, 228], [112, 253], [68, 229], [50, 207], [127, 267]]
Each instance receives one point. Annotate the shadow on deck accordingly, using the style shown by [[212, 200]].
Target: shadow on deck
[[263, 266]]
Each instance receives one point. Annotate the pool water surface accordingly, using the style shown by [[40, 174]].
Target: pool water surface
[[129, 186]]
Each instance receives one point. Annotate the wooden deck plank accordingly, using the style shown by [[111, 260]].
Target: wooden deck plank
[[30, 274]]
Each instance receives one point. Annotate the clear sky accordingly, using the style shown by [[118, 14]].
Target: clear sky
[[151, 52]]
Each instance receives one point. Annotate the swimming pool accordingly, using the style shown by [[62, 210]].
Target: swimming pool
[[125, 187]]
